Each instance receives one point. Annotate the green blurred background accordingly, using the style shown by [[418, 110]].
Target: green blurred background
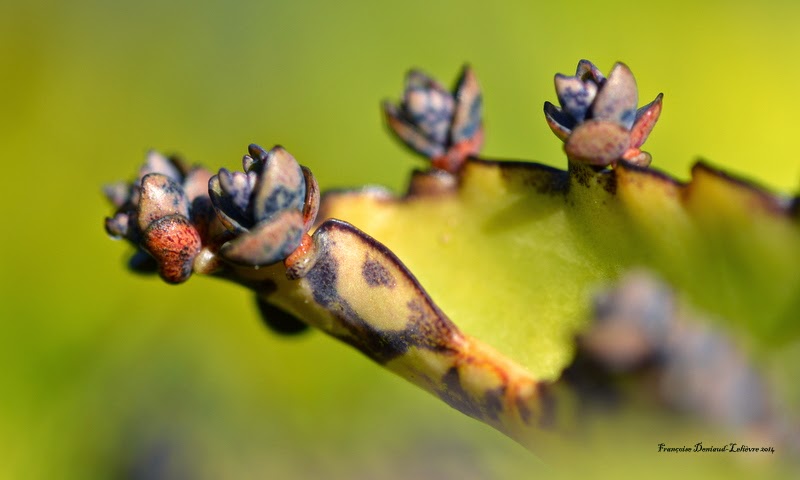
[[111, 375]]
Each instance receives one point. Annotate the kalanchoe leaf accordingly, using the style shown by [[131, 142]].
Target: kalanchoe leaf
[[247, 163], [560, 123], [637, 157], [410, 135], [575, 96], [311, 204], [268, 242], [588, 71], [158, 163], [161, 196], [280, 186], [618, 98], [225, 209], [174, 242], [117, 226], [195, 184], [257, 153], [468, 114], [203, 216], [232, 197], [646, 118], [597, 143], [237, 186], [234, 200], [429, 106], [612, 220]]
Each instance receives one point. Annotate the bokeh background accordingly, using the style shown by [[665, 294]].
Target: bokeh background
[[106, 374]]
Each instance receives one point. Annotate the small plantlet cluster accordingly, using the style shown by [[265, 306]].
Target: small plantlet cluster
[[598, 120]]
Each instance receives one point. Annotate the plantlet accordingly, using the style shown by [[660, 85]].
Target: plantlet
[[599, 121], [496, 318]]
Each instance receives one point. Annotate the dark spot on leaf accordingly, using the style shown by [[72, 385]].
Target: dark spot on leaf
[[608, 180], [580, 174], [322, 279], [431, 332], [281, 198], [524, 411], [493, 402], [376, 275], [381, 346], [454, 395]]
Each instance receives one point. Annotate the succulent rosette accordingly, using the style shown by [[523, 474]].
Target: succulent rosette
[[164, 213], [445, 127], [598, 119], [267, 208]]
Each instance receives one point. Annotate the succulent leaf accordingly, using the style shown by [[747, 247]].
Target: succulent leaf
[[174, 242], [429, 106], [280, 186], [524, 225], [267, 242], [232, 191], [575, 96], [588, 71], [646, 118], [257, 153], [558, 122], [161, 196], [409, 134], [158, 163], [469, 108], [117, 226], [597, 142], [311, 203], [617, 100]]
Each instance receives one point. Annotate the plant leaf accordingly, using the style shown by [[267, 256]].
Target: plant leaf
[[514, 252]]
